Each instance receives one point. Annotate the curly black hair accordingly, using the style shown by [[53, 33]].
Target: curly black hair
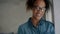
[[30, 4]]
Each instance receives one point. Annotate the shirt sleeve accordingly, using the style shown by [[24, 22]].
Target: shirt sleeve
[[20, 31], [52, 28]]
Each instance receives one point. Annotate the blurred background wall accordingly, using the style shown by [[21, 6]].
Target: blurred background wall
[[12, 14], [57, 16]]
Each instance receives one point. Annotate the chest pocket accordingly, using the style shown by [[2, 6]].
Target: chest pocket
[[43, 29]]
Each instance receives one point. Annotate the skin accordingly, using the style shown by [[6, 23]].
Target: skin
[[37, 15]]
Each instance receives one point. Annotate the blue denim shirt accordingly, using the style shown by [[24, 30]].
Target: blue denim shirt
[[44, 27]]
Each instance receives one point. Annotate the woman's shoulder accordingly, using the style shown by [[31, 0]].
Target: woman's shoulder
[[25, 25], [48, 23]]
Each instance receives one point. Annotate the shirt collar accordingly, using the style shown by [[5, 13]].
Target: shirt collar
[[40, 22]]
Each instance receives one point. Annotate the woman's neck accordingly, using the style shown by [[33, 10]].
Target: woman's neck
[[35, 21]]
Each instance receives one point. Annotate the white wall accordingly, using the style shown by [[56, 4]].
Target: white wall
[[12, 14], [57, 15]]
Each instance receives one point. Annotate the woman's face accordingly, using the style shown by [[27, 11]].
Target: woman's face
[[38, 9]]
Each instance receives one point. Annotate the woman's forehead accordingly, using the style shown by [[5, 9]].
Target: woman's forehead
[[40, 3], [39, 0]]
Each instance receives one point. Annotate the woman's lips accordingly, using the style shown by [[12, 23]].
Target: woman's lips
[[38, 15]]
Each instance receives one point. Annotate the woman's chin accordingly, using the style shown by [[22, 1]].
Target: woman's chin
[[38, 18]]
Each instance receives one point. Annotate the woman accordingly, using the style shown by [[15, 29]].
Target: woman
[[36, 24]]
